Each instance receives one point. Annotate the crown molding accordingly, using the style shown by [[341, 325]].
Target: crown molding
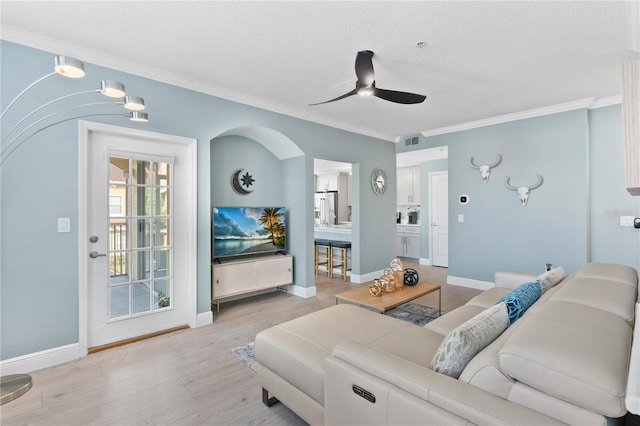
[[95, 57], [588, 103]]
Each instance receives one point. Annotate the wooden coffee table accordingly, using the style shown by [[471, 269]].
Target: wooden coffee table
[[361, 296]]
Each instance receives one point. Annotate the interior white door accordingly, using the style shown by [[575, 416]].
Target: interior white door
[[439, 202], [138, 225]]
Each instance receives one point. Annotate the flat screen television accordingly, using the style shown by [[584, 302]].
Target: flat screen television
[[240, 231]]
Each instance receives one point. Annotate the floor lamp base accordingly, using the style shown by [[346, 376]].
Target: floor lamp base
[[13, 386]]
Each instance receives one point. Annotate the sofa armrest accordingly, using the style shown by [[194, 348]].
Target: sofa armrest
[[511, 280], [398, 391]]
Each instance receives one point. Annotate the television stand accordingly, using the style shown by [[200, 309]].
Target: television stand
[[234, 277]]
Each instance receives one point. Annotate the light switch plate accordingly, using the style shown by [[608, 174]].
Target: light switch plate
[[460, 218], [626, 220], [64, 224]]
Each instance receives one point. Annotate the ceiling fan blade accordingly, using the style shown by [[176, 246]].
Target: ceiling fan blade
[[398, 97], [346, 95], [364, 68]]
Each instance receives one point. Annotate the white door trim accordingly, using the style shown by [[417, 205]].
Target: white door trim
[[84, 129]]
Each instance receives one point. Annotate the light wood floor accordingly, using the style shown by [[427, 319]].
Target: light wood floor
[[186, 377]]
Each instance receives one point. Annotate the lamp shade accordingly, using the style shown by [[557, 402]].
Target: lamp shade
[[69, 67], [112, 89], [133, 103], [138, 116]]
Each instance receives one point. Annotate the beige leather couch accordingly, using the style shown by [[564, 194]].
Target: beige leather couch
[[565, 361]]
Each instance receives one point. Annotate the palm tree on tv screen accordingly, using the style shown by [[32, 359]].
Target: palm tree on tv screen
[[271, 219]]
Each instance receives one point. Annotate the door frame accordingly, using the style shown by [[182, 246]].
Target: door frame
[[85, 128], [431, 198]]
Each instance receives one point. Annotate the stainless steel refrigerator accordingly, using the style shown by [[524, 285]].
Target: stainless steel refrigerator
[[326, 208]]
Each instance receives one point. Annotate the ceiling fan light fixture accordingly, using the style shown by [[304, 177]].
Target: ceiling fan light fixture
[[365, 91], [112, 89], [70, 67]]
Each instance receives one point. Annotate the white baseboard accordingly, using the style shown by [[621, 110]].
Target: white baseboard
[[425, 261], [38, 360], [366, 277], [204, 318], [305, 292], [467, 282]]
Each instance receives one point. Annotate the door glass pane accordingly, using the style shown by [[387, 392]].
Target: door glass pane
[[141, 172], [161, 291], [161, 263], [162, 174], [119, 296], [141, 238], [118, 267], [141, 297], [162, 233], [142, 201], [161, 201]]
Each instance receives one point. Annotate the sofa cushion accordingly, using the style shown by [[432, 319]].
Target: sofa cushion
[[574, 352], [519, 299], [295, 350], [488, 298], [465, 341], [550, 278], [611, 296], [444, 324], [609, 272]]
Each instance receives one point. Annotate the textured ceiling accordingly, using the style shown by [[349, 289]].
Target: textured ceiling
[[481, 60]]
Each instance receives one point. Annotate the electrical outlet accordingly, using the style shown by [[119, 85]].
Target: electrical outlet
[[64, 224], [626, 220]]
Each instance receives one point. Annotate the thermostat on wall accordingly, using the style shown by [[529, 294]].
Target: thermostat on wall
[[464, 199]]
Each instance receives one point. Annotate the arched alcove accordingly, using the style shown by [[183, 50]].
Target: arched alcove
[[280, 145]]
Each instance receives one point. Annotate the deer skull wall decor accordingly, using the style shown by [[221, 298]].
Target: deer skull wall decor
[[485, 170], [524, 191]]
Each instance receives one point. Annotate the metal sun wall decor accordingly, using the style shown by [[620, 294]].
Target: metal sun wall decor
[[523, 191], [241, 184], [485, 170]]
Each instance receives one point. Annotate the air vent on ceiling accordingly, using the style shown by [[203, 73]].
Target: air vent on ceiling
[[411, 141]]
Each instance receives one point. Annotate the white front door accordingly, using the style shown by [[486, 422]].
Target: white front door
[[138, 242], [439, 202]]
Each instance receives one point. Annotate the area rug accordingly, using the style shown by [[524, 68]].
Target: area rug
[[411, 312]]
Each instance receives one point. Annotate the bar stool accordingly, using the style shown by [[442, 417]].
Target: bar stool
[[322, 254], [341, 248]]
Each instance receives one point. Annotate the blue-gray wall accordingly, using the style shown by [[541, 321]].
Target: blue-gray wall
[[39, 267], [572, 219]]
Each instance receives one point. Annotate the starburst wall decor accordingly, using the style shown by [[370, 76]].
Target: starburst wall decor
[[241, 184]]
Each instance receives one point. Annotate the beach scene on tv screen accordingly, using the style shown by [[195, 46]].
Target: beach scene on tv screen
[[248, 230]]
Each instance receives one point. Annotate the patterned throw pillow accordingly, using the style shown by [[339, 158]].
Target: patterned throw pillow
[[520, 298], [550, 278], [461, 344]]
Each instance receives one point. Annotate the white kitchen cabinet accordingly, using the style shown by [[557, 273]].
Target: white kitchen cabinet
[[408, 186], [408, 241], [236, 277], [327, 182]]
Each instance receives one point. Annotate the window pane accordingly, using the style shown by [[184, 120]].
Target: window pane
[[161, 290], [161, 263], [162, 174], [118, 267], [140, 175], [118, 170], [161, 201], [162, 233], [141, 297], [118, 234], [119, 297], [141, 238], [140, 261], [142, 201]]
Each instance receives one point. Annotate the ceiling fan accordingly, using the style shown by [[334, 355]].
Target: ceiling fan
[[366, 84]]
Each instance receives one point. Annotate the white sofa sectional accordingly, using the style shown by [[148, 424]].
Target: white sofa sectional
[[565, 361]]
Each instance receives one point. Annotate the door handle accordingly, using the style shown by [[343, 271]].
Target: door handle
[[434, 224], [94, 254]]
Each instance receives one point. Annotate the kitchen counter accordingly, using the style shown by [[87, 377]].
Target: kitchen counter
[[333, 232]]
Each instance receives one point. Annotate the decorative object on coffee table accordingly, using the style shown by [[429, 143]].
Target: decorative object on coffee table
[[398, 271], [376, 288], [410, 277]]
